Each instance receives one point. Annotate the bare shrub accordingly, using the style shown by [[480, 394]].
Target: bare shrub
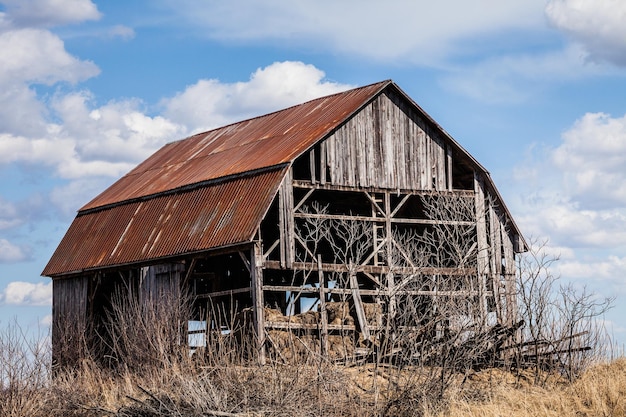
[[145, 333], [24, 365], [563, 331]]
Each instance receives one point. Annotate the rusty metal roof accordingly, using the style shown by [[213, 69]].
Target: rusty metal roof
[[222, 214], [252, 144], [208, 191]]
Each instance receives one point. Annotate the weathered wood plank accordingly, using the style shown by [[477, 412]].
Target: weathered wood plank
[[256, 255], [373, 269], [323, 316], [483, 246], [373, 293]]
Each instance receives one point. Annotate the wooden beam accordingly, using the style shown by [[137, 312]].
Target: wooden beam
[[303, 199], [245, 260], [389, 237], [271, 248], [323, 315], [382, 220], [287, 325], [256, 276], [374, 293], [483, 245], [373, 269], [332, 187], [225, 292]]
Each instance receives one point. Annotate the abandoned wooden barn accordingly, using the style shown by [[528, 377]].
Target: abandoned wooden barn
[[356, 207]]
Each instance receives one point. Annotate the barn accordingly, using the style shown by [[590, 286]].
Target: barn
[[355, 209]]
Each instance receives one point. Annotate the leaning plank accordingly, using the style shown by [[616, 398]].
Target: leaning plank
[[358, 306]]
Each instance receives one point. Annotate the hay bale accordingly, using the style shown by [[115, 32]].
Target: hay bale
[[340, 347], [274, 315], [373, 314], [339, 313], [291, 348], [309, 317]]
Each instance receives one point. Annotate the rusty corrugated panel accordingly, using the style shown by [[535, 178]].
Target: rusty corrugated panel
[[261, 142], [224, 213]]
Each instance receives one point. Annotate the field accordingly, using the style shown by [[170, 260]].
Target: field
[[216, 386]]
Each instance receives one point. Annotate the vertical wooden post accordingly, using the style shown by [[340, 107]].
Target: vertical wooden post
[[390, 277], [256, 275], [509, 276], [448, 168], [496, 261], [483, 245], [323, 315]]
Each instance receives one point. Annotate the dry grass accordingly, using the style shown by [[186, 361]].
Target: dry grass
[[600, 391], [322, 389], [148, 380]]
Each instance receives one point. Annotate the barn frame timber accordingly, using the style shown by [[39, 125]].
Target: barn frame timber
[[357, 200]]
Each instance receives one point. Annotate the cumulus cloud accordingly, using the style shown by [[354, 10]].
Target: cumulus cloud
[[592, 157], [423, 31], [89, 144], [598, 25], [12, 253], [27, 293], [46, 13], [39, 56], [211, 103], [27, 57], [578, 194], [575, 195]]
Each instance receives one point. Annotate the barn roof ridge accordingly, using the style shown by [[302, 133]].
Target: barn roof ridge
[[383, 84]]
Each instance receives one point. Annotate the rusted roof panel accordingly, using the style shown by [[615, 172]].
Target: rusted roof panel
[[261, 142], [225, 213]]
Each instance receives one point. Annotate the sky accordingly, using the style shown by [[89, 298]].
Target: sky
[[535, 90]]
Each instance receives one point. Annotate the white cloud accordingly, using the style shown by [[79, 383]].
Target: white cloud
[[574, 194], [122, 32], [88, 145], [598, 25], [46, 13], [210, 103], [27, 293], [33, 56], [609, 268], [11, 253], [39, 56], [420, 31], [103, 141], [9, 216], [515, 78], [592, 157]]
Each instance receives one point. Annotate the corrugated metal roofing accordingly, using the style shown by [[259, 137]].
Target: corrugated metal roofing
[[181, 200], [256, 143], [222, 214]]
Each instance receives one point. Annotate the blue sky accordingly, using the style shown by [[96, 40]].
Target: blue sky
[[534, 89]]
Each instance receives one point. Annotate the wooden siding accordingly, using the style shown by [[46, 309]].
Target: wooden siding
[[387, 145], [160, 281], [69, 316]]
